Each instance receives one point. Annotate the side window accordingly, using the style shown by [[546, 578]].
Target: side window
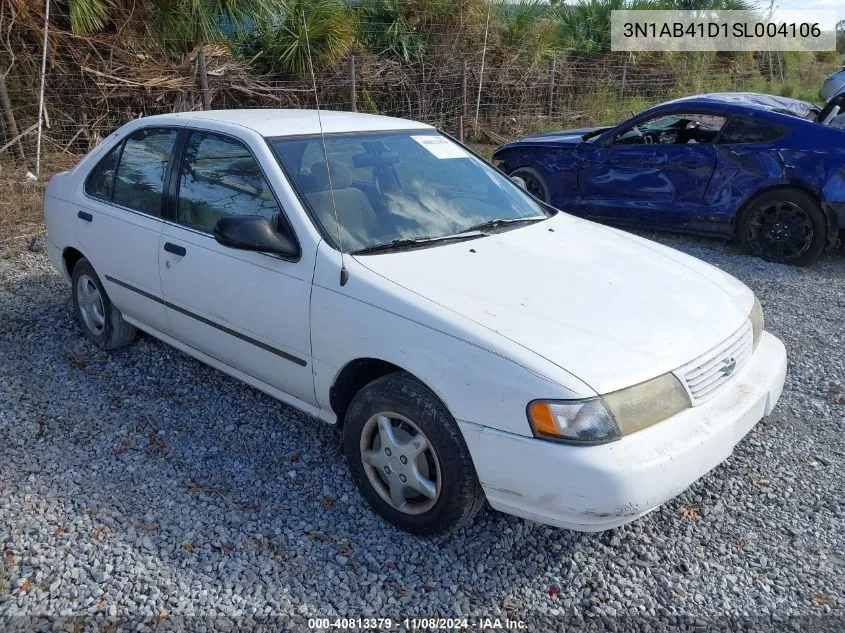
[[742, 129], [673, 129], [219, 177], [100, 180], [140, 175]]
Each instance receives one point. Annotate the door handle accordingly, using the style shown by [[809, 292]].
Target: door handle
[[84, 215], [175, 249]]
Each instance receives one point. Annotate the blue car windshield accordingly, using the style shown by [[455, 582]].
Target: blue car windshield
[[398, 185]]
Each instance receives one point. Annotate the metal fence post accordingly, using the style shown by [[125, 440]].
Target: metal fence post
[[464, 73], [624, 77], [41, 97], [353, 95], [202, 73], [463, 114], [551, 87]]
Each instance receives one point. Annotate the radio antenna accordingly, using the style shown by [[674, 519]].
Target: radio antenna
[[344, 274]]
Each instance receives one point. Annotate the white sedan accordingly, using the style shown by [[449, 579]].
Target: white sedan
[[471, 342]]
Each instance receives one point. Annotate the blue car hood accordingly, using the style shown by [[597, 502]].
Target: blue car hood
[[562, 138]]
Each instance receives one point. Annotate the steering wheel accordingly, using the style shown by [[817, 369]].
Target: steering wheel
[[650, 138]]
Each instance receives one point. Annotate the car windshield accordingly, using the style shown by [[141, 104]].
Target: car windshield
[[399, 186]]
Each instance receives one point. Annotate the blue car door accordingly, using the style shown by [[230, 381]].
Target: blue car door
[[651, 174]]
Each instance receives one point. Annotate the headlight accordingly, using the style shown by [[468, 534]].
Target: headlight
[[609, 417], [756, 317], [647, 403], [576, 421]]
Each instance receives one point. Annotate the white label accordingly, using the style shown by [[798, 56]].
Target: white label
[[441, 147], [793, 29]]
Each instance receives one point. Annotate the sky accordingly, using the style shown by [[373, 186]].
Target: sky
[[821, 5], [796, 10], [812, 5]]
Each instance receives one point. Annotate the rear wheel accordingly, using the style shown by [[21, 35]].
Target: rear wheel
[[408, 457], [535, 184], [102, 323], [785, 226]]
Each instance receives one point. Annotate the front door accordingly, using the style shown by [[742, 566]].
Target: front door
[[249, 310], [653, 173]]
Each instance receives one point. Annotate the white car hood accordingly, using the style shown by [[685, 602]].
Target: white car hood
[[606, 306]]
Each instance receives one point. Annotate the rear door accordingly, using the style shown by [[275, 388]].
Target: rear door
[[653, 173], [120, 219], [249, 310]]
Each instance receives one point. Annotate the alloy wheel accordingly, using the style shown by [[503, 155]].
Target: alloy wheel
[[780, 231], [91, 304], [400, 463]]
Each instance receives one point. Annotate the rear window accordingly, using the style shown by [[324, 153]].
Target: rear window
[[137, 182], [101, 179], [741, 129]]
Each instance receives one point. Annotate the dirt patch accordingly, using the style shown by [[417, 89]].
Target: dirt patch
[[21, 199]]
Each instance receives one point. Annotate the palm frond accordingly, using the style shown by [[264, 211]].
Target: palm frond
[[87, 16], [326, 25]]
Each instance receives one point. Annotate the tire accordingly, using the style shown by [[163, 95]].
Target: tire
[[534, 182], [454, 492], [786, 226], [101, 322]]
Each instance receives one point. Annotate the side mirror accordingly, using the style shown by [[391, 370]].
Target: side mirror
[[254, 233], [520, 182]]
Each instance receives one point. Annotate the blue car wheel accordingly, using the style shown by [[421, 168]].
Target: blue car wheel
[[534, 182], [785, 226]]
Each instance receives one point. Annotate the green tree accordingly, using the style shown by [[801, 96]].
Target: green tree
[[403, 29], [525, 28], [584, 27], [327, 26], [390, 27]]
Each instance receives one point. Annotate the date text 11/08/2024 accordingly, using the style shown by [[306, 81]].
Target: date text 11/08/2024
[[416, 624]]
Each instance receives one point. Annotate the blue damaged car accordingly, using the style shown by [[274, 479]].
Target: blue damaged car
[[768, 171]]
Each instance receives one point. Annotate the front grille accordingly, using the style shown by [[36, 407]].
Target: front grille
[[704, 376]]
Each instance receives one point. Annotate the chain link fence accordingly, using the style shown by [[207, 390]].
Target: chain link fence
[[94, 86]]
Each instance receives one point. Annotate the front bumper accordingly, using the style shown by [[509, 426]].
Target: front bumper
[[594, 488]]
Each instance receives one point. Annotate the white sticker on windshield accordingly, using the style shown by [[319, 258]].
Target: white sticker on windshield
[[441, 147]]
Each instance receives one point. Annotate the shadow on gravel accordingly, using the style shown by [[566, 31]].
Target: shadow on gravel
[[162, 465]]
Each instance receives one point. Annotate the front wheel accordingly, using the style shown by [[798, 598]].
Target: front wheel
[[408, 457], [784, 226], [535, 184]]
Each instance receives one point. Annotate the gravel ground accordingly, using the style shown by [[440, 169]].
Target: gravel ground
[[144, 484]]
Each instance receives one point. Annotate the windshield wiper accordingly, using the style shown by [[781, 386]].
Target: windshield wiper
[[467, 234], [499, 222], [404, 242]]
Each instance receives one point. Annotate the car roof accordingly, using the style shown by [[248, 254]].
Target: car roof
[[277, 122], [742, 101]]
